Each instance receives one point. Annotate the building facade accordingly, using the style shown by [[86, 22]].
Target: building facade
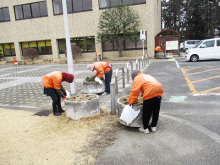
[[39, 24]]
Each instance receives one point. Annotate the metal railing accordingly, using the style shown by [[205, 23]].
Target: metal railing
[[116, 79], [128, 70], [138, 67], [113, 97]]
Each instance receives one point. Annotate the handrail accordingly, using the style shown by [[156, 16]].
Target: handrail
[[116, 79], [131, 64], [113, 101], [138, 66]]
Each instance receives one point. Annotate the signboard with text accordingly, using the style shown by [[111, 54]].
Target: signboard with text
[[172, 45]]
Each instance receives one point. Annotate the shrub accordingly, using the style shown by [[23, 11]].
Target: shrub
[[76, 52], [30, 53]]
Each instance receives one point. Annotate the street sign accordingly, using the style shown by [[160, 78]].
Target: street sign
[[142, 35]]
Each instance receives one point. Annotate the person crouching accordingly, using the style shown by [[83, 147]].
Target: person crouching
[[53, 88]]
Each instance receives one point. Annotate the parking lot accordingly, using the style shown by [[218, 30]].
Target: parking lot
[[202, 77]]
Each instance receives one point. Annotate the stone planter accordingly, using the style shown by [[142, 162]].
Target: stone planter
[[93, 87], [137, 121], [79, 109]]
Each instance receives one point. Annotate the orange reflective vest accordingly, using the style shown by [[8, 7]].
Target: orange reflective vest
[[101, 68], [96, 53], [53, 80], [14, 60], [147, 85], [158, 49]]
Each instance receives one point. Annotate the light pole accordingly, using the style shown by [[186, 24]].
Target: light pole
[[68, 47]]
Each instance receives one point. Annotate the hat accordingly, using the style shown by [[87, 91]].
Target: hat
[[67, 77], [134, 73], [90, 67]]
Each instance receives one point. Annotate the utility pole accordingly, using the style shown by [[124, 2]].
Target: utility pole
[[68, 47]]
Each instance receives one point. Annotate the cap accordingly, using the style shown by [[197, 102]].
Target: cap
[[134, 73], [90, 67], [67, 77]]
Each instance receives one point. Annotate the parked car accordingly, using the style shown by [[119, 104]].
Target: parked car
[[182, 46], [204, 50], [190, 44]]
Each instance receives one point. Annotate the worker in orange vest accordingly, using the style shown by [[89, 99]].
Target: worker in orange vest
[[98, 56], [158, 49], [53, 88], [152, 92], [101, 69], [15, 61]]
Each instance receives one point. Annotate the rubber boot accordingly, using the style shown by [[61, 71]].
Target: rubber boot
[[55, 113], [60, 109]]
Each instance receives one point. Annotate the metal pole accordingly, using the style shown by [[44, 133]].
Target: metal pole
[[68, 46], [143, 46], [113, 96]]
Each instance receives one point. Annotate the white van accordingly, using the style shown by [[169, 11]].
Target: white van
[[190, 44], [204, 50]]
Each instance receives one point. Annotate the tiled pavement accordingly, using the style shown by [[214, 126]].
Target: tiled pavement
[[21, 86]]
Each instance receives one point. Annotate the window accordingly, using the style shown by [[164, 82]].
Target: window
[[73, 6], [7, 49], [43, 47], [111, 3], [87, 44], [209, 44], [218, 42], [128, 45], [32, 10], [4, 14]]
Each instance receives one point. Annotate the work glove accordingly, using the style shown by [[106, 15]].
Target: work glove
[[98, 80], [64, 97]]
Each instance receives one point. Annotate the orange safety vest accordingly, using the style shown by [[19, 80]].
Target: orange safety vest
[[101, 68], [158, 49], [53, 80], [96, 53], [14, 60], [147, 85]]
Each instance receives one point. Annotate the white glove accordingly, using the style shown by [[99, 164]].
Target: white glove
[[67, 94], [98, 80]]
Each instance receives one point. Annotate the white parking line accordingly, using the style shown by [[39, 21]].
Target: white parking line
[[177, 64]]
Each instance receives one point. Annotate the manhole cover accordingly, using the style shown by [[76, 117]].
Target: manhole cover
[[43, 113]]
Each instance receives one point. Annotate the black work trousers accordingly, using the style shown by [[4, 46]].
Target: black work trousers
[[151, 107], [56, 103]]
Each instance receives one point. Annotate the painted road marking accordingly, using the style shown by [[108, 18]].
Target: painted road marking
[[190, 83], [191, 87], [196, 81], [203, 71]]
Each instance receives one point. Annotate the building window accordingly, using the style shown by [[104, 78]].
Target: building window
[[73, 6], [43, 47], [87, 44], [4, 14], [32, 10], [7, 49], [128, 45], [111, 3]]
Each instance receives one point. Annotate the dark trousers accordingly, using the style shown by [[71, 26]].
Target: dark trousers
[[151, 107], [108, 77], [56, 102]]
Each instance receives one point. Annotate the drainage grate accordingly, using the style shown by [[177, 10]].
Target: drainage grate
[[43, 113]]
